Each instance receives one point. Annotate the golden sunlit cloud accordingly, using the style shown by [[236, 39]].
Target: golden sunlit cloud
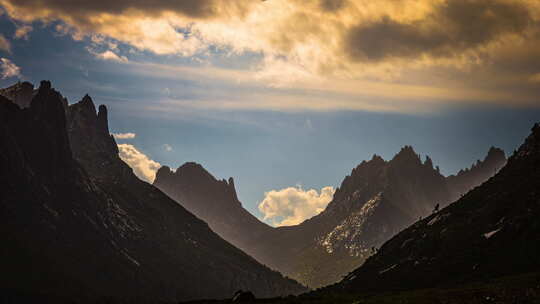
[[143, 167], [442, 45]]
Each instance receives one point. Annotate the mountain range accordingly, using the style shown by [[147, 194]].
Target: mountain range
[[482, 248], [491, 231], [377, 200], [78, 225]]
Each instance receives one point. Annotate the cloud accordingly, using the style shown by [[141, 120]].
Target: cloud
[[142, 166], [124, 135], [4, 44], [319, 35], [9, 69], [109, 55], [448, 30], [22, 31], [167, 147], [453, 46], [293, 205]]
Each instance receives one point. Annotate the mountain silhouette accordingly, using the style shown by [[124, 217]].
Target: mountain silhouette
[[78, 225], [376, 201]]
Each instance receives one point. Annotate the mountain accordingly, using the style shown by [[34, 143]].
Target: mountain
[[481, 171], [377, 200], [78, 225], [214, 201], [491, 231]]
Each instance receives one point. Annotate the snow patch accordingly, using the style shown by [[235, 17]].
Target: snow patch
[[131, 259], [433, 220], [491, 233], [437, 218], [388, 269], [347, 233]]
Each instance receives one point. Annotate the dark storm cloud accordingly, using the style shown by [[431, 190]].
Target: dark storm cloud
[[452, 28]]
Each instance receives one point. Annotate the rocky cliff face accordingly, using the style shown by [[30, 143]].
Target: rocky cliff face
[[78, 225], [376, 201], [491, 231]]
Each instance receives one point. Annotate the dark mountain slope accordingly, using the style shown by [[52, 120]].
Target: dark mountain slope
[[377, 200], [78, 224], [492, 231], [214, 201]]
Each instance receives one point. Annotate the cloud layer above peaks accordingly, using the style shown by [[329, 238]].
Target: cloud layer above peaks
[[425, 43]]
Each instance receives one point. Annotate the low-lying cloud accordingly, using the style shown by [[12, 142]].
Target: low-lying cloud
[[127, 135], [143, 167], [293, 205]]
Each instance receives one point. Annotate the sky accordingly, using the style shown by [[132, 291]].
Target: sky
[[287, 96]]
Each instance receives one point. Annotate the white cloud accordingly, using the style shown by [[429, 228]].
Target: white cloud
[[167, 147], [4, 44], [128, 135], [293, 205], [23, 31], [109, 55], [142, 166], [9, 69]]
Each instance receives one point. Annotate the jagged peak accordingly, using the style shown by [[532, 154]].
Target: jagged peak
[[163, 173], [103, 122], [232, 188], [495, 153], [407, 153], [48, 102], [377, 158], [45, 85], [375, 162], [87, 104], [189, 166], [428, 162], [531, 144], [194, 170], [407, 150]]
